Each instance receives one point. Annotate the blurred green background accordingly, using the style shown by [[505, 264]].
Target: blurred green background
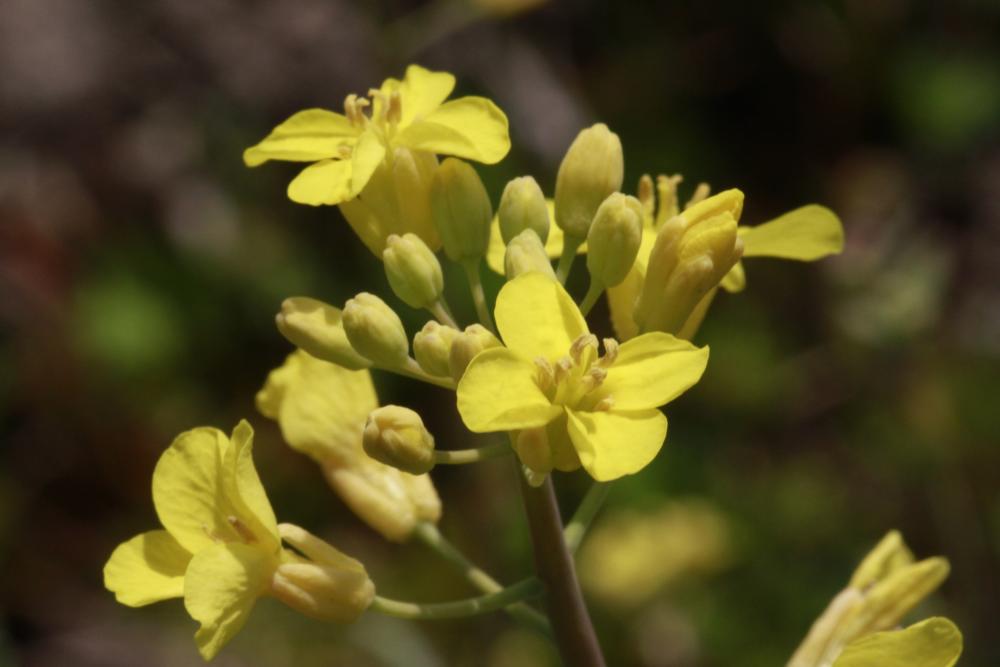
[[141, 265]]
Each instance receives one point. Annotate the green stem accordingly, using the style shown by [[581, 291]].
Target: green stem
[[442, 314], [432, 537], [484, 604], [471, 267], [568, 256], [461, 456], [584, 515], [593, 294], [413, 370], [574, 633]]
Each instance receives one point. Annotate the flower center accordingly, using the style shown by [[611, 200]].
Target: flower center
[[386, 110], [573, 379]]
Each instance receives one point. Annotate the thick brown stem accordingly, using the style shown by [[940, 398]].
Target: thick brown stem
[[574, 633]]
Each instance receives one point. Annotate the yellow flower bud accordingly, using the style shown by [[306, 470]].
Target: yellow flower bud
[[396, 436], [613, 239], [389, 500], [461, 210], [467, 345], [316, 327], [413, 271], [375, 331], [325, 584], [525, 254], [432, 347], [592, 169], [522, 206], [396, 200], [889, 555], [692, 252]]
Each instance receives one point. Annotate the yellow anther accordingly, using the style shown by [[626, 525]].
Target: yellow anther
[[564, 366], [700, 194], [604, 404], [645, 195], [594, 377], [610, 353], [351, 109], [395, 113], [241, 529], [579, 345], [546, 376], [345, 151], [666, 193]]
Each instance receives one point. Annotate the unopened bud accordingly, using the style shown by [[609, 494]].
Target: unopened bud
[[432, 347], [592, 169], [522, 206], [317, 328], [324, 584], [526, 254], [691, 254], [396, 436], [374, 330], [614, 238], [889, 555], [467, 345], [461, 209], [413, 271]]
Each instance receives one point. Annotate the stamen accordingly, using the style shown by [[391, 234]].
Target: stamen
[[395, 108], [351, 109], [545, 377], [666, 192], [581, 344], [604, 404], [212, 535], [700, 194], [645, 193], [593, 379], [345, 151], [610, 353], [241, 529], [564, 366]]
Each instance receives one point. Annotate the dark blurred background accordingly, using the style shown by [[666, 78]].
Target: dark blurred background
[[141, 265]]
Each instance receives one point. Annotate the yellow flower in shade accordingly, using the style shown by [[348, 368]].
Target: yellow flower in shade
[[221, 550], [805, 234], [548, 382], [378, 165], [858, 627], [322, 409]]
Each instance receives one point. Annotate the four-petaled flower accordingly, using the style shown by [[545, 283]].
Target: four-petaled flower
[[222, 546], [599, 412]]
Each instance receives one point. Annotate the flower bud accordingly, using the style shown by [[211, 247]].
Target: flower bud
[[326, 584], [613, 239], [461, 209], [396, 436], [522, 206], [413, 271], [467, 345], [526, 254], [396, 200], [375, 331], [692, 253], [592, 169], [316, 327], [432, 347], [389, 500]]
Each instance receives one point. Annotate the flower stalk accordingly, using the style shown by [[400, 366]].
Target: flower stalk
[[484, 604]]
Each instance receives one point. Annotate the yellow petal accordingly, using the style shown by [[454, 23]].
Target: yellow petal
[[736, 280], [367, 156], [421, 91], [470, 127], [807, 233], [536, 317], [652, 370], [320, 407], [308, 136], [148, 568], [326, 182], [220, 588], [612, 444], [553, 245], [204, 490], [248, 488], [935, 642], [498, 393]]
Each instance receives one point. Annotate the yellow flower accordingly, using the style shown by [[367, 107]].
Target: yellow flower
[[221, 546], [391, 150], [855, 629], [806, 234], [322, 409], [598, 412]]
